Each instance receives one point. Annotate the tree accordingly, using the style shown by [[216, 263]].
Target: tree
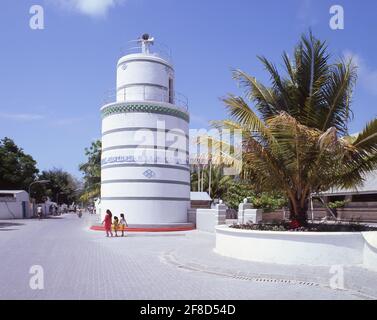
[[92, 172], [295, 139], [239, 190], [17, 169], [236, 192], [62, 187], [219, 182]]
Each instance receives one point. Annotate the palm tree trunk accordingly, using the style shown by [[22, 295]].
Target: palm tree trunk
[[298, 210], [198, 177], [210, 178]]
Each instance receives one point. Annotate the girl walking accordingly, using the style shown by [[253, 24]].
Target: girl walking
[[123, 223], [107, 222]]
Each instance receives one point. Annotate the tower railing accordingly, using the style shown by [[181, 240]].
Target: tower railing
[[143, 94], [158, 49]]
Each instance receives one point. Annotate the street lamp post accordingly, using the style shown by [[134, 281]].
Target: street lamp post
[[35, 182]]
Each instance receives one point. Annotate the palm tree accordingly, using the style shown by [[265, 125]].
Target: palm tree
[[92, 172], [295, 138], [212, 180]]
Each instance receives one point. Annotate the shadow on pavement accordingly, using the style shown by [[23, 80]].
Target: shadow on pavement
[[9, 224], [4, 226]]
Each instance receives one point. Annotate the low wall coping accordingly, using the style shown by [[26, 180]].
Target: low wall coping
[[227, 229], [299, 248]]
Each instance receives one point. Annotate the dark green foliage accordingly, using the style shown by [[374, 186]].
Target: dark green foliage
[[268, 201], [17, 169], [337, 204], [92, 172], [236, 193], [219, 182], [62, 187]]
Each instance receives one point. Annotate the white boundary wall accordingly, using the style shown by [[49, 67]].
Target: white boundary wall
[[208, 219], [299, 248], [12, 207]]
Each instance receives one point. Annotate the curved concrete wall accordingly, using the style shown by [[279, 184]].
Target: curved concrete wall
[[148, 120], [370, 250], [144, 168], [148, 212], [143, 77], [296, 248], [124, 170]]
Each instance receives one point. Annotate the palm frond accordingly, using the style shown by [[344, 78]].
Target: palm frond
[[367, 139], [264, 98], [337, 94]]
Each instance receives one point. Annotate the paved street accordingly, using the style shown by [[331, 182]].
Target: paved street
[[83, 264]]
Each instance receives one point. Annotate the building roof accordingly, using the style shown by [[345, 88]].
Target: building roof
[[369, 186], [12, 191], [200, 196]]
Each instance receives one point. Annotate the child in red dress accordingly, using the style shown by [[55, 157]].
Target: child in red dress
[[107, 222]]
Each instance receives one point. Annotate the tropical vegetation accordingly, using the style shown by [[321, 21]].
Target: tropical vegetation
[[61, 188], [210, 179], [17, 169], [295, 131], [92, 172]]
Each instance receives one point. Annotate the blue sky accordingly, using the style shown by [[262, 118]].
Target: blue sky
[[53, 81]]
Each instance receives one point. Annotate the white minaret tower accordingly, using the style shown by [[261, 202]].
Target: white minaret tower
[[145, 172]]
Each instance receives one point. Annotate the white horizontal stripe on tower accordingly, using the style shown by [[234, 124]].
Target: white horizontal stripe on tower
[[144, 190], [130, 172], [122, 120]]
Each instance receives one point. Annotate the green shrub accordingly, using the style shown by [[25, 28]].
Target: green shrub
[[337, 204]]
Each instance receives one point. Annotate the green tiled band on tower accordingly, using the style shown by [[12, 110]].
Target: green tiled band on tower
[[127, 108]]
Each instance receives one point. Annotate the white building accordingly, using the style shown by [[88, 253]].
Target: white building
[[145, 172], [14, 204], [367, 189]]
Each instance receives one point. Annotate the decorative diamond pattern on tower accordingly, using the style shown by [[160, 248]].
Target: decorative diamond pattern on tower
[[149, 174]]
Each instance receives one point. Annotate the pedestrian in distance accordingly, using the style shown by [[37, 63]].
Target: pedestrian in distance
[[108, 221], [39, 212], [123, 223]]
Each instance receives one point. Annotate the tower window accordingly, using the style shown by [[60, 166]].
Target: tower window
[[171, 91]]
